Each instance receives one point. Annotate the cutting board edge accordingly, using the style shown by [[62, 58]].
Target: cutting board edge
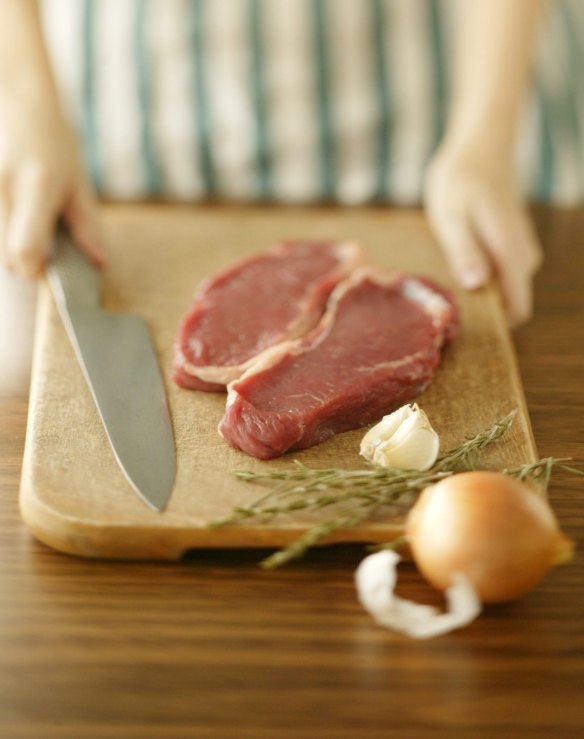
[[75, 536], [515, 373]]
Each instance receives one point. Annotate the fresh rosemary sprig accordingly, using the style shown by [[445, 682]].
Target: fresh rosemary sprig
[[364, 487], [540, 471], [360, 494], [464, 456]]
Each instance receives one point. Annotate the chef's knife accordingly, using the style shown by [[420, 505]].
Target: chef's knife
[[121, 368]]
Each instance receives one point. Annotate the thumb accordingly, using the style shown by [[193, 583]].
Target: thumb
[[81, 214]]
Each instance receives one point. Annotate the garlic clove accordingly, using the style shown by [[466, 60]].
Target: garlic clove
[[383, 431], [419, 451], [376, 578], [402, 439]]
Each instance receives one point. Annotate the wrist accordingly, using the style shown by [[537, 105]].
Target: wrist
[[33, 85], [26, 78], [478, 150], [31, 100]]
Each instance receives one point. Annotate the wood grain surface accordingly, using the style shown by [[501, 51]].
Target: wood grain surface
[[74, 496], [212, 646]]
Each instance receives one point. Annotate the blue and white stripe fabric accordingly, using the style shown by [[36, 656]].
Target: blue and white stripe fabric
[[293, 100]]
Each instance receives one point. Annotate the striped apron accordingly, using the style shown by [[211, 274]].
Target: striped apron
[[293, 100]]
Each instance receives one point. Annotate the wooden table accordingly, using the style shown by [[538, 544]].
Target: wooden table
[[215, 647]]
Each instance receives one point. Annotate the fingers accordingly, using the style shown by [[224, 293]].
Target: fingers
[[506, 227], [511, 241], [483, 230], [517, 291], [30, 206], [34, 206], [467, 259], [81, 216]]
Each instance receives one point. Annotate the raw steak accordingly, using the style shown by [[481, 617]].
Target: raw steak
[[259, 302], [375, 349]]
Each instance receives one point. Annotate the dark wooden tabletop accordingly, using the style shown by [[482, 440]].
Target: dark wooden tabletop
[[215, 647]]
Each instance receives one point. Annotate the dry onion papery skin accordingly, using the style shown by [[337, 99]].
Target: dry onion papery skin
[[493, 528]]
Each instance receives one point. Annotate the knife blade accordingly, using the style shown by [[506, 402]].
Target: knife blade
[[121, 368]]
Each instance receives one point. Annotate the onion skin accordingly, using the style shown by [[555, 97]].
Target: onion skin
[[489, 526]]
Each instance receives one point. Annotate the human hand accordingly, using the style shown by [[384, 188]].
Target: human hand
[[41, 179], [482, 224]]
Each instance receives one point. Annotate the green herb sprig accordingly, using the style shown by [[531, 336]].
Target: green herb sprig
[[361, 494]]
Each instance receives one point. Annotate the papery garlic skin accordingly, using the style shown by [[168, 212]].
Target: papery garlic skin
[[376, 578], [404, 439]]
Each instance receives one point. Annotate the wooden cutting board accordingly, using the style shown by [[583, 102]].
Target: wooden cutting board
[[73, 495]]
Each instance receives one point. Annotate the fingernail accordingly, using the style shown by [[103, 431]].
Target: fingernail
[[474, 277]]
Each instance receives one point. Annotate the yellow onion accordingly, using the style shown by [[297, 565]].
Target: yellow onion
[[492, 528]]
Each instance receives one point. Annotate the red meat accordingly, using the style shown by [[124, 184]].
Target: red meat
[[259, 302], [375, 349]]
